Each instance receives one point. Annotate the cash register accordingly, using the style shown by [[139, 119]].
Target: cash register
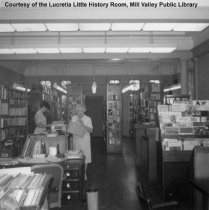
[[58, 127]]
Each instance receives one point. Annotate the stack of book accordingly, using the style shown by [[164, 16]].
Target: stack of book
[[22, 191]]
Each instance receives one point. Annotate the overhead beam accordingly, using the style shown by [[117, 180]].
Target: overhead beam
[[199, 14]]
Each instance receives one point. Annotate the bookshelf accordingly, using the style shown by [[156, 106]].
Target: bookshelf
[[114, 119], [13, 121], [3, 113], [143, 103], [155, 99], [35, 97], [17, 113]]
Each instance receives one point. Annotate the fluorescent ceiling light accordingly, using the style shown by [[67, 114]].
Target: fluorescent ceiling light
[[155, 81], [93, 50], [94, 87], [29, 27], [47, 50], [65, 83], [127, 88], [139, 50], [158, 26], [126, 26], [6, 28], [190, 26], [62, 26], [59, 88], [114, 82], [94, 26], [6, 51], [71, 50], [174, 87], [24, 50], [20, 87], [162, 49], [116, 50]]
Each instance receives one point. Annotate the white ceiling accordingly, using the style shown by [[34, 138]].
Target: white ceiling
[[183, 41]]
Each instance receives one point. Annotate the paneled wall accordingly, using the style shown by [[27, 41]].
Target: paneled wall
[[7, 77]]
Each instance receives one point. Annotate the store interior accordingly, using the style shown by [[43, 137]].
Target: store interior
[[129, 68]]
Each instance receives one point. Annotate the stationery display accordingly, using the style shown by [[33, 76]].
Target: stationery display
[[114, 121], [184, 125]]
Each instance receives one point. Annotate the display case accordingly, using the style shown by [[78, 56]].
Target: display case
[[114, 119], [183, 125]]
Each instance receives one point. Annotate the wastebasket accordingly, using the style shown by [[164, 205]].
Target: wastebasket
[[92, 199]]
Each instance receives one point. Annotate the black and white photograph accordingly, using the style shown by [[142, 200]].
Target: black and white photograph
[[104, 104]]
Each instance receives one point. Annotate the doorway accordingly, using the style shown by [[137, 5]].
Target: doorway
[[95, 110]]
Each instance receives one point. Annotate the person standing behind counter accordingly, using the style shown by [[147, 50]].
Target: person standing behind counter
[[40, 118], [83, 143]]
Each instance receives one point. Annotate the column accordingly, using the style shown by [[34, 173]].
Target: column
[[184, 79], [196, 77]]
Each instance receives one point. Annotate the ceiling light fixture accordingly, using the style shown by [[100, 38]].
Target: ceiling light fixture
[[139, 50], [47, 50], [29, 27], [20, 87], [62, 26], [173, 87], [116, 50], [70, 50], [94, 87], [6, 51], [162, 49], [190, 26], [126, 26], [57, 87], [6, 28], [93, 50], [158, 26], [24, 50], [94, 26]]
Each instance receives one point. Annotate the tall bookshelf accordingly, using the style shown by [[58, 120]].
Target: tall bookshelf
[[155, 99], [114, 119], [3, 113], [13, 120], [35, 97], [143, 103], [17, 113]]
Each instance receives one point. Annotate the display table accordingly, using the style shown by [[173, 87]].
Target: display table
[[73, 187], [22, 193], [30, 144]]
